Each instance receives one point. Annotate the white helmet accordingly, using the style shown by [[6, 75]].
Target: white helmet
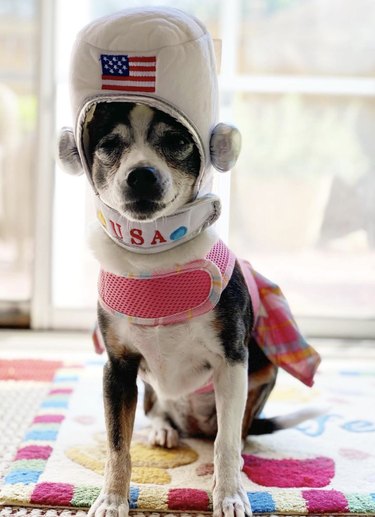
[[164, 58], [161, 57]]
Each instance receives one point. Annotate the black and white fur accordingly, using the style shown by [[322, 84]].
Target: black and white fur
[[145, 165]]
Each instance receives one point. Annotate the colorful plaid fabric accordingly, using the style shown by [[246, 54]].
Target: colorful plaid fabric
[[277, 333]]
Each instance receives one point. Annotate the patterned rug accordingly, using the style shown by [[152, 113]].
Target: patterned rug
[[323, 466]]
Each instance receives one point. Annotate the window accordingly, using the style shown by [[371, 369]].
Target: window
[[305, 183], [297, 80], [18, 43]]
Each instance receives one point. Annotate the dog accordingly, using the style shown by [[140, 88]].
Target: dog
[[144, 165], [176, 307]]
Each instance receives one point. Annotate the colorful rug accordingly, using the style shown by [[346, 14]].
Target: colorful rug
[[324, 466]]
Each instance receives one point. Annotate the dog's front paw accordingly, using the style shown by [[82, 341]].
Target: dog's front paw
[[109, 505], [165, 436], [230, 503]]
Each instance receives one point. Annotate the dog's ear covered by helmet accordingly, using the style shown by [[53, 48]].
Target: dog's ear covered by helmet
[[225, 146], [67, 152]]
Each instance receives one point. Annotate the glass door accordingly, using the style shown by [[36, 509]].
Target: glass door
[[18, 122], [302, 197], [304, 189]]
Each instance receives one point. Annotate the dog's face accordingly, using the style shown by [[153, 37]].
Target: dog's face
[[144, 163]]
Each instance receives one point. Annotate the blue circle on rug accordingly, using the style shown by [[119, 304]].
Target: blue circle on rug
[[178, 233]]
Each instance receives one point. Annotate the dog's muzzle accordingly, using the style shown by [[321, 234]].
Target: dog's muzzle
[[144, 183]]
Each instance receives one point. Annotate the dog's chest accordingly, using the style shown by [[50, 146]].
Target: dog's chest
[[176, 359]]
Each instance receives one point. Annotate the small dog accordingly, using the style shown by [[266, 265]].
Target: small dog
[[144, 165], [208, 332]]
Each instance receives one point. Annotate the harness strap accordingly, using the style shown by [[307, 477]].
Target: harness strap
[[170, 296]]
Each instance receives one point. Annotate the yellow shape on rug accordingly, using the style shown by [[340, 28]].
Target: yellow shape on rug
[[146, 455], [149, 463]]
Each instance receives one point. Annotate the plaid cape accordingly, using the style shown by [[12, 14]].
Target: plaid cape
[[277, 333]]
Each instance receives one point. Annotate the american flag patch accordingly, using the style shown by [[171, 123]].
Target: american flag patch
[[128, 73]]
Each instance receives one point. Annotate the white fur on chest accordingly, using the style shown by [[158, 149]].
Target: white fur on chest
[[177, 359]]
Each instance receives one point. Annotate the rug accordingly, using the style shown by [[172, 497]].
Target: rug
[[324, 466], [23, 386]]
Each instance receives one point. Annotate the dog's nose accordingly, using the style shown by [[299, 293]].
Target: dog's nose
[[143, 180]]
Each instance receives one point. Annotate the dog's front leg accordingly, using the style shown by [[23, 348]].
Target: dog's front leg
[[229, 496], [120, 401]]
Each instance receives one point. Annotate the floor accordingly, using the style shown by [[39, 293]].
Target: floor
[[77, 346]]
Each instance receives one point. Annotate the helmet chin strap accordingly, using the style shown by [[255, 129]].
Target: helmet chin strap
[[163, 233]]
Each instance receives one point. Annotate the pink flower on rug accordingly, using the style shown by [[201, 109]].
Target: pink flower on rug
[[325, 501], [289, 473], [54, 494], [188, 499]]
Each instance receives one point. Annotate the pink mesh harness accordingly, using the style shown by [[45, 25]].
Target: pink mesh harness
[[194, 289], [169, 297]]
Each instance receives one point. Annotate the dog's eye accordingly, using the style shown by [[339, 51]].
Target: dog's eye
[[174, 141], [110, 148], [176, 144]]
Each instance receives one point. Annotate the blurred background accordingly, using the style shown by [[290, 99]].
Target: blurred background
[[297, 78]]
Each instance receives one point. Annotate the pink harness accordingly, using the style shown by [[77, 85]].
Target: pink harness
[[194, 289], [169, 297]]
